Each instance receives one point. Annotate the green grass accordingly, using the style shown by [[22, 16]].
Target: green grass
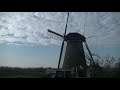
[[104, 74], [23, 75]]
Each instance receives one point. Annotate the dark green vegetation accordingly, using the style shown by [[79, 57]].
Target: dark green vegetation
[[22, 75], [10, 72], [110, 66], [105, 73], [108, 74]]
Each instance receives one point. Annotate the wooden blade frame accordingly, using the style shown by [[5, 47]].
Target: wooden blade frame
[[63, 42], [55, 33], [91, 60]]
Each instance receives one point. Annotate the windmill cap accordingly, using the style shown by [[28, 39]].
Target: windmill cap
[[74, 36]]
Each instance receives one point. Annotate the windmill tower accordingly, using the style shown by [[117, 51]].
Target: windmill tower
[[74, 55]]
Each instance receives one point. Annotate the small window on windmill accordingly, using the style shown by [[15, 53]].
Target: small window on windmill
[[59, 74], [68, 74]]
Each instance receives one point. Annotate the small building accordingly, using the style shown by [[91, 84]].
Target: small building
[[51, 73]]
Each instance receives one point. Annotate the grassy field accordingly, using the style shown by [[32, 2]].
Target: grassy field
[[22, 75], [104, 74]]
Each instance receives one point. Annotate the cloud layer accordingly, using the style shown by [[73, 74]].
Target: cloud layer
[[31, 27]]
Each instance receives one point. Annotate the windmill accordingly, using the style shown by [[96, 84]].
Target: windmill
[[74, 55]]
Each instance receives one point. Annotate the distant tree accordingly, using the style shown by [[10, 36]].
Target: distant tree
[[117, 65]]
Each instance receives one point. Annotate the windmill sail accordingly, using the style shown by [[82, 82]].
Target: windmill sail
[[63, 41], [53, 35], [91, 60], [63, 54]]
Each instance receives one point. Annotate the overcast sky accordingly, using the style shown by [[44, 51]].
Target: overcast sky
[[24, 40]]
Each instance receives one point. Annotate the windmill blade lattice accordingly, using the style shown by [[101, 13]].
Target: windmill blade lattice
[[53, 35]]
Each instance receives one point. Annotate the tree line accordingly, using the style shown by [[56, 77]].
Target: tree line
[[110, 66]]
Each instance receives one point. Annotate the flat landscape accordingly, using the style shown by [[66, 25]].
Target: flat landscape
[[22, 75], [10, 72]]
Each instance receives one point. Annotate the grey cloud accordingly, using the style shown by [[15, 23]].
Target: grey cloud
[[31, 27]]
